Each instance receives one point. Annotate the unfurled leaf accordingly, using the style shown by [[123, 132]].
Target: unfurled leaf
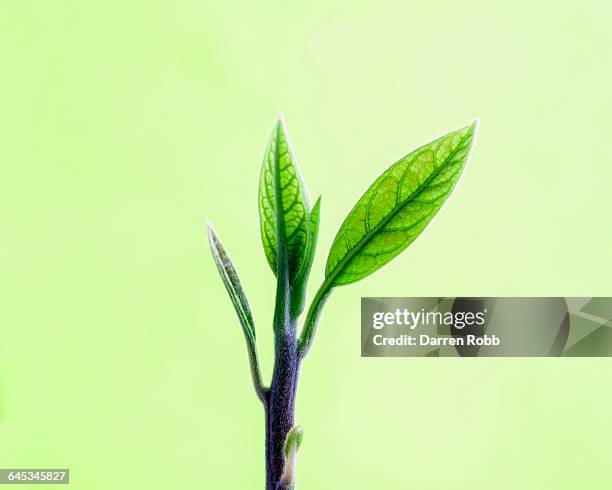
[[390, 216], [283, 206], [397, 207], [298, 292]]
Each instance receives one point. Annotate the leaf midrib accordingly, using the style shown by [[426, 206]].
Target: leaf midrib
[[280, 211], [281, 245]]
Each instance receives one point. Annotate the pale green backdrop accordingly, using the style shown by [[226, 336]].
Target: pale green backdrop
[[124, 125]]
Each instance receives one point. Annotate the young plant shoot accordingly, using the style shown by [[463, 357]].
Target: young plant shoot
[[391, 214]]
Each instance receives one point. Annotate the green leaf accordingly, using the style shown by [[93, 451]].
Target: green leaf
[[298, 292], [397, 207], [390, 216], [231, 281], [283, 206], [232, 284]]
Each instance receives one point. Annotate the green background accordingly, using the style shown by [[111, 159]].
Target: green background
[[124, 125]]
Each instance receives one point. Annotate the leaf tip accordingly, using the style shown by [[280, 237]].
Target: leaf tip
[[209, 229], [473, 127], [213, 240], [280, 128], [281, 125]]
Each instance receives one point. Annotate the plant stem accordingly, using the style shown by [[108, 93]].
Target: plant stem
[[280, 399], [280, 406]]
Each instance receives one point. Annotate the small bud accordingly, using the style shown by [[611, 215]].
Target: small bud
[[294, 440], [292, 444]]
